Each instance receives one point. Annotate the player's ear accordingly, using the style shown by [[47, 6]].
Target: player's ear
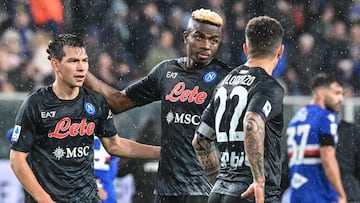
[[185, 36], [245, 48], [54, 64], [280, 51]]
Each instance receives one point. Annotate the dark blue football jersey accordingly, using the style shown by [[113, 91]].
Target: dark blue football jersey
[[245, 89], [59, 135], [184, 94]]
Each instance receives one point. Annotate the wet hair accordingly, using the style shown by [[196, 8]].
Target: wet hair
[[263, 36], [324, 80], [55, 46], [207, 16]]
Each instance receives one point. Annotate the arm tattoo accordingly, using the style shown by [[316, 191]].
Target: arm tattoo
[[208, 158], [254, 129]]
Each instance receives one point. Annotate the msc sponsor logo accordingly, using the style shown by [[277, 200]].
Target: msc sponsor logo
[[183, 118], [68, 153]]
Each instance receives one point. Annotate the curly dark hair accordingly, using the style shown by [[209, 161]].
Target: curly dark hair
[[55, 47], [263, 36]]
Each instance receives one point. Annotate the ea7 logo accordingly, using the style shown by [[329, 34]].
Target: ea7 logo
[[170, 74], [50, 114]]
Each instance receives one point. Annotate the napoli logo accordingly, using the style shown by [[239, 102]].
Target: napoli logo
[[90, 108], [210, 76]]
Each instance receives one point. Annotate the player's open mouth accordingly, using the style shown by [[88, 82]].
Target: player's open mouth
[[203, 55]]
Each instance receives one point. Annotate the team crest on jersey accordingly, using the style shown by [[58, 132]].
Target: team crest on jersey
[[210, 76], [90, 108], [266, 108], [16, 133]]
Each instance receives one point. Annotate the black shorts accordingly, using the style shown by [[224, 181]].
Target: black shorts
[[181, 199], [219, 198]]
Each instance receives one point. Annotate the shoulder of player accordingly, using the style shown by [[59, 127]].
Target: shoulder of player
[[221, 65], [91, 93], [39, 94], [270, 85]]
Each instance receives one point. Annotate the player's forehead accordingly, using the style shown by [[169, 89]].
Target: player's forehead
[[204, 28], [71, 51]]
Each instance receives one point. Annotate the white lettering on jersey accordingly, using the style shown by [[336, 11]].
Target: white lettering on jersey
[[183, 118], [50, 114], [74, 152], [170, 74], [239, 80]]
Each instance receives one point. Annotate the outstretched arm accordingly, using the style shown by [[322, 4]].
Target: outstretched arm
[[254, 130], [332, 171], [126, 148], [207, 156], [27, 178], [117, 100]]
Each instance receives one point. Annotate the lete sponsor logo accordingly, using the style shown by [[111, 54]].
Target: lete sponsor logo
[[65, 128], [180, 93]]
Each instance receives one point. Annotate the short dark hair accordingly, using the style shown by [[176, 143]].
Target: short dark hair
[[263, 36], [324, 80], [55, 46]]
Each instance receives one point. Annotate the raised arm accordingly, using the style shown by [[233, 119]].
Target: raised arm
[[254, 130], [207, 155], [117, 100], [332, 171], [27, 178], [126, 148]]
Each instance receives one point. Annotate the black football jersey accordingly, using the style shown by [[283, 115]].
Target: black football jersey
[[184, 94], [58, 135], [245, 89]]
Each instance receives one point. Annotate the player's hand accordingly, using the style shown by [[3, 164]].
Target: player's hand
[[257, 190], [342, 200], [45, 199]]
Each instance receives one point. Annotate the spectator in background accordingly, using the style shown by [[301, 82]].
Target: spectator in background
[[42, 72], [48, 15], [306, 62], [144, 29], [162, 50]]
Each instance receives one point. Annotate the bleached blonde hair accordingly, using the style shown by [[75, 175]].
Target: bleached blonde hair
[[207, 16]]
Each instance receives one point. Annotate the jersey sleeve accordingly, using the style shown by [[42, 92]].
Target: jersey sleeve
[[26, 119], [207, 124], [328, 129], [147, 89], [107, 127], [267, 100]]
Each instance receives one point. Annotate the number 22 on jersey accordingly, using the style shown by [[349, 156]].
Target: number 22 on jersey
[[228, 107]]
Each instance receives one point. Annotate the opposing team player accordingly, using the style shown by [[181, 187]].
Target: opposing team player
[[312, 137], [52, 143], [244, 120], [184, 86]]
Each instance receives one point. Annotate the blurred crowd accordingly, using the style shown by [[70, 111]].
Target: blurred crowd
[[126, 38]]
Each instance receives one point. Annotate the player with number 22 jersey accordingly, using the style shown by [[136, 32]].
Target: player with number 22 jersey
[[245, 89]]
